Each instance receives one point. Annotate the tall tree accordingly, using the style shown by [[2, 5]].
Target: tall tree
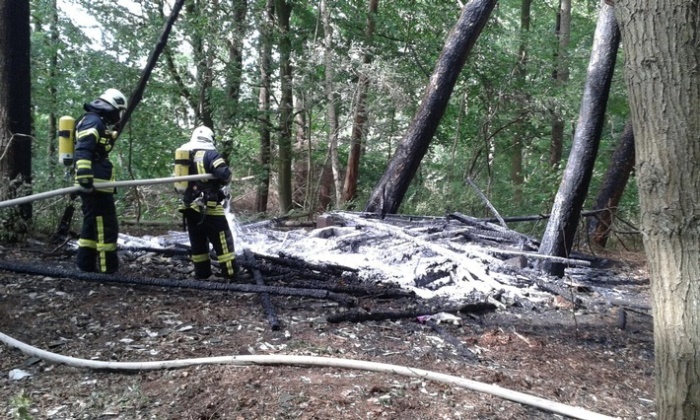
[[203, 55], [516, 149], [614, 183], [561, 77], [662, 59], [332, 98], [389, 192], [360, 113], [234, 71], [264, 127], [283, 11], [558, 237], [15, 110]]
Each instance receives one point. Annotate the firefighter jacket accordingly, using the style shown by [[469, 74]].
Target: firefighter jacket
[[206, 195], [93, 144]]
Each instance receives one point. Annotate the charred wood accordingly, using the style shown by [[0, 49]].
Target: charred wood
[[462, 350], [350, 289], [275, 269], [494, 231], [487, 202], [477, 307], [563, 291], [36, 269], [265, 299], [296, 262]]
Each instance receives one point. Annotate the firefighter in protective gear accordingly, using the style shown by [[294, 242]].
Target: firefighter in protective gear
[[97, 245], [202, 206]]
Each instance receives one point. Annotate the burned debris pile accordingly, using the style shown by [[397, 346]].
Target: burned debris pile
[[396, 266], [372, 268]]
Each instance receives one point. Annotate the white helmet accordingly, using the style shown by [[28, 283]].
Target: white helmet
[[114, 98], [202, 138]]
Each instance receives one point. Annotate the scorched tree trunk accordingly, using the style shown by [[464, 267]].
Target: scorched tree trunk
[[387, 195]]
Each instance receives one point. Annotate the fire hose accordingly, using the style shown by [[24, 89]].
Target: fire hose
[[258, 360], [75, 189]]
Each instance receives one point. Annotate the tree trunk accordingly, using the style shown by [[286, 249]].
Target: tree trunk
[[662, 59], [360, 117], [234, 71], [389, 192], [15, 112], [283, 11], [332, 99], [235, 55], [561, 77], [558, 237], [263, 187], [516, 149], [614, 183], [302, 165], [203, 59]]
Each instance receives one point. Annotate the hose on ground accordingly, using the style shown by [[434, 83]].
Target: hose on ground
[[255, 360]]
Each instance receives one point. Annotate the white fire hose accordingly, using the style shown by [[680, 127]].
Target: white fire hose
[[75, 189], [519, 397]]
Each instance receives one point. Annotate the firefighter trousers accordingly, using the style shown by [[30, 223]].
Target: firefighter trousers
[[206, 229], [97, 245]]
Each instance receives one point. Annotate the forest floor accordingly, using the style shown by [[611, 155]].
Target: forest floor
[[579, 358]]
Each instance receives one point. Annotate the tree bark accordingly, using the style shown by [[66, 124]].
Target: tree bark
[[332, 98], [614, 183], [387, 195], [558, 237], [235, 55], [561, 77], [516, 149], [137, 93], [360, 117], [662, 59], [15, 111], [264, 124], [283, 12]]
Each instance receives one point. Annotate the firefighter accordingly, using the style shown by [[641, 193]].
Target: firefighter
[[202, 204], [97, 245]]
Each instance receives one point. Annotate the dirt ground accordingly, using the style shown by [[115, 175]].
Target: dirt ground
[[581, 358]]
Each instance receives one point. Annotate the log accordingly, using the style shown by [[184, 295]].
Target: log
[[479, 306], [37, 269], [265, 299]]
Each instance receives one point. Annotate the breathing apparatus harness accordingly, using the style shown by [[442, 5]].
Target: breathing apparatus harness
[[206, 195]]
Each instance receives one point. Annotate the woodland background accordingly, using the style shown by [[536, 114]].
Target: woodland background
[[508, 126]]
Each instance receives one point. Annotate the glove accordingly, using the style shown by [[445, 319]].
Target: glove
[[86, 186]]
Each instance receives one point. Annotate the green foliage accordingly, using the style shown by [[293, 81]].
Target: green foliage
[[490, 107], [20, 405]]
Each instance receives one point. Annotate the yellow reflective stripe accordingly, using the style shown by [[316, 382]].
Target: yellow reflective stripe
[[226, 254], [224, 244], [200, 168], [224, 258], [216, 211], [82, 133], [102, 257], [84, 176], [83, 164], [218, 162], [87, 243], [106, 247], [200, 258]]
